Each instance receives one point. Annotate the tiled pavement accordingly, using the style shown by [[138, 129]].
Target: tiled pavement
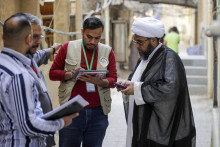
[[116, 132]]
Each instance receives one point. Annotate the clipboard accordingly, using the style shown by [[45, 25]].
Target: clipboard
[[101, 73], [74, 105]]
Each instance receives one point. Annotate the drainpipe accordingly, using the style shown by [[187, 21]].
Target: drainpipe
[[218, 84], [214, 31]]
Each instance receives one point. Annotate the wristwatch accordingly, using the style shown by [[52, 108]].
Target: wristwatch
[[54, 50]]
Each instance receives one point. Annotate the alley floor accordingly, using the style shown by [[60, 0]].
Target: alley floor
[[116, 132], [202, 111]]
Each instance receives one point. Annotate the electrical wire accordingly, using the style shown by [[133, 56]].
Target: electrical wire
[[54, 13]]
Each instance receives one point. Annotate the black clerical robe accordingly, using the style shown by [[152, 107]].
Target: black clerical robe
[[166, 120]]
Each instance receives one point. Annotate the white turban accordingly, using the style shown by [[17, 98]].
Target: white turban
[[148, 27]]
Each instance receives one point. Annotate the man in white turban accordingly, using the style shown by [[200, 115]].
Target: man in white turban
[[156, 98]]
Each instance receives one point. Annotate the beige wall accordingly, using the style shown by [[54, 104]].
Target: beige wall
[[199, 19], [10, 7], [30, 6], [203, 19], [205, 11], [61, 20], [7, 9], [210, 52], [184, 21]]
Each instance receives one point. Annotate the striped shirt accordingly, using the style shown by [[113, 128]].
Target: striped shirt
[[20, 117], [39, 58]]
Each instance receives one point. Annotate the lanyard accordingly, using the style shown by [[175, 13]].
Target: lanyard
[[93, 54], [35, 70]]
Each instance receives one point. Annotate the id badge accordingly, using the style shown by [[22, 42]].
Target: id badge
[[43, 85], [90, 87]]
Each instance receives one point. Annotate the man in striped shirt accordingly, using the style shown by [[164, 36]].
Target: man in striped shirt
[[38, 58], [20, 117]]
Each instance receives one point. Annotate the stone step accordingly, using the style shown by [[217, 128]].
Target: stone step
[[196, 70], [197, 89], [194, 61], [197, 80], [196, 73]]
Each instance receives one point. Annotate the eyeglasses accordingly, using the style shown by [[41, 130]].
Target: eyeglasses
[[37, 37], [140, 42]]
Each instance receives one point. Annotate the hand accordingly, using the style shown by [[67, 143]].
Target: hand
[[130, 88], [57, 46], [119, 88], [94, 79], [69, 74], [68, 119], [76, 69]]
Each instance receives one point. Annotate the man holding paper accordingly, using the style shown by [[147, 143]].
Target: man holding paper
[[38, 58], [86, 54], [21, 114]]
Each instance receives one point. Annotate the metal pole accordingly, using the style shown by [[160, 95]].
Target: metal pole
[[216, 111], [213, 30], [218, 77]]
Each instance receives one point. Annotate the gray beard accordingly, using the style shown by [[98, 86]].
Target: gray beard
[[144, 55]]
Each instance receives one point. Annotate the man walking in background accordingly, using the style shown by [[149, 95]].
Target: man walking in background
[[172, 39]]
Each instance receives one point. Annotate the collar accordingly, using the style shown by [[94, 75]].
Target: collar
[[25, 60]]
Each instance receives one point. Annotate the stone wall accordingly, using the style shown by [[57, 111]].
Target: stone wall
[[61, 20], [30, 6], [7, 9], [10, 7]]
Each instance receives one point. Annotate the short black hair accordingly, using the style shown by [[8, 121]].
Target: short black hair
[[92, 23], [15, 31], [175, 29]]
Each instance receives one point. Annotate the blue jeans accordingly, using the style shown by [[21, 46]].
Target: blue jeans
[[89, 128]]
